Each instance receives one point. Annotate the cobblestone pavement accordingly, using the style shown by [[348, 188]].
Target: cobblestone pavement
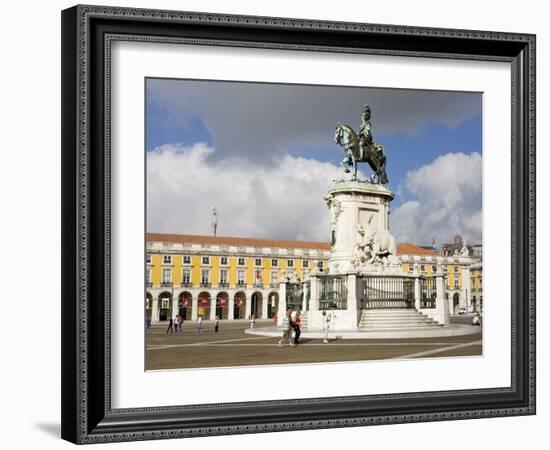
[[232, 347]]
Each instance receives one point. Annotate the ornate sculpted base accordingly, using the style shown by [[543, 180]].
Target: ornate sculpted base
[[360, 237]]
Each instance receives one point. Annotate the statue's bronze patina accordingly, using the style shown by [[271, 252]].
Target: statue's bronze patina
[[362, 148]]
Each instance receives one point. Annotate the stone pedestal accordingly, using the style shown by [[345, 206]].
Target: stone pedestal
[[441, 311], [354, 204]]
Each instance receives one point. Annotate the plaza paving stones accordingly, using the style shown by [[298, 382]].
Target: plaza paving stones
[[231, 346]]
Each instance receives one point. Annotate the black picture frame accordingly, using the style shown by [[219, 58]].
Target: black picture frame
[[87, 33]]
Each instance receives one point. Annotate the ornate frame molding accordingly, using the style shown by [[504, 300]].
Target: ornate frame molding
[[88, 31]]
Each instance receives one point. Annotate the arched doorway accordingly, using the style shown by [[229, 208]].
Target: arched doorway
[[272, 304], [222, 305], [185, 305], [256, 305], [456, 302], [203, 308], [148, 308], [165, 306], [239, 305]]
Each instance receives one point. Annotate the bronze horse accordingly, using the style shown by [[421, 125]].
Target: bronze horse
[[372, 153]]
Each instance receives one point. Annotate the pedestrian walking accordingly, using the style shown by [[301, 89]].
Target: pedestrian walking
[[252, 321], [199, 324], [170, 328], [180, 326], [287, 329], [217, 324], [177, 323], [326, 321], [297, 327]]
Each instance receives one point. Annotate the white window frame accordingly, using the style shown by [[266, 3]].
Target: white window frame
[[166, 259], [169, 272], [224, 272], [224, 260], [188, 258], [274, 263], [239, 263], [183, 276], [256, 262], [239, 280], [274, 277], [207, 272], [290, 263], [205, 260]]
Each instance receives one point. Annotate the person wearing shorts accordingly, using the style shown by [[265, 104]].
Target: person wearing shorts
[[287, 329]]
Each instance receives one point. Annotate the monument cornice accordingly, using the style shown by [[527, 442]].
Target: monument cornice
[[361, 187]]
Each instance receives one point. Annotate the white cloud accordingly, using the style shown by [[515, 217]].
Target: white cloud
[[283, 201], [447, 201]]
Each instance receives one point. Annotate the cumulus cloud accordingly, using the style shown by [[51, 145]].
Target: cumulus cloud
[[446, 201], [283, 201]]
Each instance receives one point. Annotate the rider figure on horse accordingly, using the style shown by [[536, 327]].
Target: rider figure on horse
[[365, 134]]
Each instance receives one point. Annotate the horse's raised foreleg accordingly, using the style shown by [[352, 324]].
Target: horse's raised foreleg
[[354, 161], [345, 163]]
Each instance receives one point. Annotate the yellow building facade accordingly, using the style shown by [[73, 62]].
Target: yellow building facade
[[240, 278], [229, 278]]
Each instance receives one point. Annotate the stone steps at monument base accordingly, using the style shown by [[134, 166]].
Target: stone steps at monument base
[[391, 316], [396, 326], [420, 320], [392, 312], [395, 320]]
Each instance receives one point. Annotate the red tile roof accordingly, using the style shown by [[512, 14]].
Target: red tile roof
[[402, 249], [239, 241], [407, 248]]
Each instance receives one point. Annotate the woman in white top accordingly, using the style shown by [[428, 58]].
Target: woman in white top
[[326, 320], [199, 324]]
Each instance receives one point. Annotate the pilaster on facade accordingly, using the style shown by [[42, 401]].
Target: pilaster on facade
[[248, 306], [231, 307], [265, 301], [194, 307], [155, 312]]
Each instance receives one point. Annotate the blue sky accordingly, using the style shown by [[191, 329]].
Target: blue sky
[[248, 129]]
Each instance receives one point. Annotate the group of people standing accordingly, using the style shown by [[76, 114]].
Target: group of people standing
[[291, 324], [175, 325], [200, 324], [294, 324]]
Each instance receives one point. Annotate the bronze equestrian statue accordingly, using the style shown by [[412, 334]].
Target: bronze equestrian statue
[[362, 148]]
